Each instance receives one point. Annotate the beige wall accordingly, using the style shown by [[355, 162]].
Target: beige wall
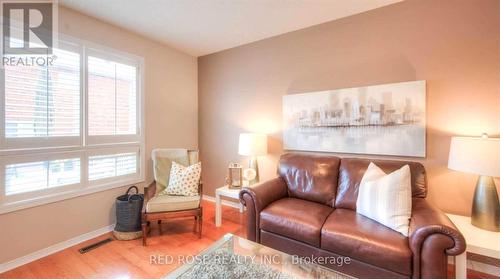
[[171, 121], [453, 44]]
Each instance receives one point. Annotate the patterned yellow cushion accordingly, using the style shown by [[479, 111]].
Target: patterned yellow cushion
[[183, 180]]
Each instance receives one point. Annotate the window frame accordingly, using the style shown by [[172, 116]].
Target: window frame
[[15, 149]]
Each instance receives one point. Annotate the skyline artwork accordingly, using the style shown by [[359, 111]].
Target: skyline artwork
[[388, 119]]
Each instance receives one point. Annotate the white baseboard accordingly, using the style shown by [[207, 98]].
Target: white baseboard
[[223, 202], [54, 248]]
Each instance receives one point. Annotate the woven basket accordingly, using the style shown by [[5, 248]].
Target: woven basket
[[127, 235], [128, 211]]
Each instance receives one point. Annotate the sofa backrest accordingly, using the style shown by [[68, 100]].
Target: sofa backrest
[[334, 181], [310, 177], [352, 170]]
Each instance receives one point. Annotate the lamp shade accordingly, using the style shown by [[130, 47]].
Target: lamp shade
[[475, 155], [252, 144]]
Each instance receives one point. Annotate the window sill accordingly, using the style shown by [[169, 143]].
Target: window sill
[[46, 199]]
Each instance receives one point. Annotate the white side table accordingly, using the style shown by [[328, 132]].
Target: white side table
[[479, 241], [224, 191]]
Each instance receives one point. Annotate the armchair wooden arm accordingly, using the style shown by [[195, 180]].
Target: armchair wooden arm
[[149, 191], [200, 190]]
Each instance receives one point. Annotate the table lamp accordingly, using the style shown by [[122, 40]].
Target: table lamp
[[480, 155], [253, 145]]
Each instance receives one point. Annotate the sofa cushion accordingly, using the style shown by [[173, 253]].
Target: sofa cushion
[[310, 177], [352, 170], [294, 218], [350, 234]]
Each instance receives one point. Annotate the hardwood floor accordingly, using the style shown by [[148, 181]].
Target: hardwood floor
[[129, 259]]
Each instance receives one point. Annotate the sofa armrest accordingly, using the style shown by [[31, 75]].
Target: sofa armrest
[[432, 237], [427, 220], [256, 198]]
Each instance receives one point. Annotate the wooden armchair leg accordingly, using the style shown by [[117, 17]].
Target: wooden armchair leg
[[144, 226], [200, 222], [195, 225]]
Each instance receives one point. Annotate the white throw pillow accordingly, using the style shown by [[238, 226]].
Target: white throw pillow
[[386, 198], [183, 180]]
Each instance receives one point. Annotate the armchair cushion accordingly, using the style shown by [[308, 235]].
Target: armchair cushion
[[166, 203]]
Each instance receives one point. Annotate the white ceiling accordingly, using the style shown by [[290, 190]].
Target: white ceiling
[[200, 27]]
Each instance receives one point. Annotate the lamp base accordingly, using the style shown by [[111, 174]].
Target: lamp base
[[254, 165], [486, 207]]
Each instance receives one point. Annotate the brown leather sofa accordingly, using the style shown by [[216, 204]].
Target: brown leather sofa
[[310, 210]]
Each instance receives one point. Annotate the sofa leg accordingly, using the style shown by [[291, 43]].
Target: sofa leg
[[159, 226], [144, 226]]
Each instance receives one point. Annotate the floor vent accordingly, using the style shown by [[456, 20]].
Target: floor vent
[[95, 245]]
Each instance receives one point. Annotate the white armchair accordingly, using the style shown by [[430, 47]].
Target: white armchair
[[162, 207]]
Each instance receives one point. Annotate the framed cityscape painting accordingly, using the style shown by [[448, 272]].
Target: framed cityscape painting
[[386, 119]]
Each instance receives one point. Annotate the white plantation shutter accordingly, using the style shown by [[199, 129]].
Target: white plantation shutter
[[106, 166], [112, 98], [70, 128], [25, 101], [43, 101], [33, 176], [25, 177]]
